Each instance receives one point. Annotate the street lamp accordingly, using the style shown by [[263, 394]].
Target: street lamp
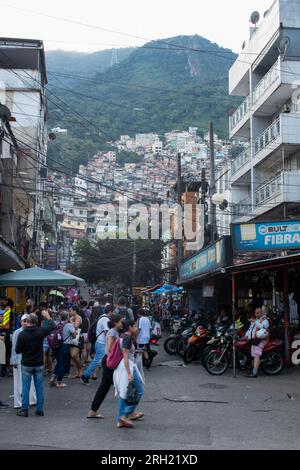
[[219, 200]]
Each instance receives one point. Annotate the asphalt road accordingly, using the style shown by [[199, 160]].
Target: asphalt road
[[185, 408]]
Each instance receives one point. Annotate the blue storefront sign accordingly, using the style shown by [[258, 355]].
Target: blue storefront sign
[[266, 236], [208, 260]]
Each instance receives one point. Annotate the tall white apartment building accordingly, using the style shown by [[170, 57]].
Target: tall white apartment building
[[265, 176]]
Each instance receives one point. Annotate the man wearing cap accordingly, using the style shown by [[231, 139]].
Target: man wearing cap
[[30, 345], [15, 361]]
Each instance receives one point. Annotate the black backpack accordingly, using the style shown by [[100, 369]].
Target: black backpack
[[92, 336]]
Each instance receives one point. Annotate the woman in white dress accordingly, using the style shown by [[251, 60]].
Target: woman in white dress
[[15, 361]]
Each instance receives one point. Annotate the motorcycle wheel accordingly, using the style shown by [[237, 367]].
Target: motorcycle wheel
[[205, 353], [216, 364], [189, 354], [181, 346], [170, 345], [272, 363]]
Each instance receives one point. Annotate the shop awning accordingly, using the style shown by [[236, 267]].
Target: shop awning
[[78, 279], [168, 289], [276, 262], [38, 277], [10, 258]]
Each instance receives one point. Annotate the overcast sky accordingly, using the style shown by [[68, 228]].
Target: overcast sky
[[225, 22]]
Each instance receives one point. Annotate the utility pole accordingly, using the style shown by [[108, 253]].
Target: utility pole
[[212, 189], [179, 221]]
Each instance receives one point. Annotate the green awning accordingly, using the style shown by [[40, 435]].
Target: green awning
[[39, 277]]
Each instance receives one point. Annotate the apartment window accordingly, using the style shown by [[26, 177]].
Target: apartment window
[[70, 211], [78, 223], [80, 212]]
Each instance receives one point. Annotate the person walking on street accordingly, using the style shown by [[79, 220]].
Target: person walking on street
[[126, 372], [144, 329], [15, 361], [62, 352], [85, 325], [101, 331], [123, 310], [47, 351], [116, 326], [257, 335], [30, 345], [76, 320]]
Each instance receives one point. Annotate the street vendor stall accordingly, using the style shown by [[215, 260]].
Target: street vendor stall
[[37, 278]]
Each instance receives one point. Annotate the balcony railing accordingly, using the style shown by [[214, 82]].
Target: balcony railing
[[241, 111], [242, 208], [267, 136], [269, 190], [240, 161], [266, 82]]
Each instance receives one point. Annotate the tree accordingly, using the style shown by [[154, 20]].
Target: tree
[[112, 260]]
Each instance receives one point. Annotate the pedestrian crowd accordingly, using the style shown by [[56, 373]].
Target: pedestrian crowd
[[85, 335]]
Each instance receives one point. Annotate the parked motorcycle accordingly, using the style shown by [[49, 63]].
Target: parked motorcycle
[[196, 344], [170, 344], [220, 358], [214, 342]]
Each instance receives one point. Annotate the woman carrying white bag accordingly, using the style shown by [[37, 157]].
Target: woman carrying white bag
[[126, 374], [15, 361]]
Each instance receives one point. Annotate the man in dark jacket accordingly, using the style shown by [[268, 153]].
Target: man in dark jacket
[[30, 345]]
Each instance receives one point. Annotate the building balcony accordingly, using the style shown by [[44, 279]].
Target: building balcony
[[282, 132], [242, 209], [266, 82], [267, 137], [275, 88], [282, 188], [238, 166], [240, 116]]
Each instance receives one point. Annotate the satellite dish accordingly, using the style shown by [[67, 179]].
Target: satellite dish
[[254, 19], [52, 136], [244, 45], [284, 45], [266, 12]]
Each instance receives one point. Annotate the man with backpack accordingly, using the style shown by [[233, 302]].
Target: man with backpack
[[97, 336], [121, 309], [60, 341]]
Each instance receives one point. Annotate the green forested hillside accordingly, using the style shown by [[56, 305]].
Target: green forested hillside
[[165, 85], [84, 64]]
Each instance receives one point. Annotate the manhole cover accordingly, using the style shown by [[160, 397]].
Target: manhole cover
[[213, 386]]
